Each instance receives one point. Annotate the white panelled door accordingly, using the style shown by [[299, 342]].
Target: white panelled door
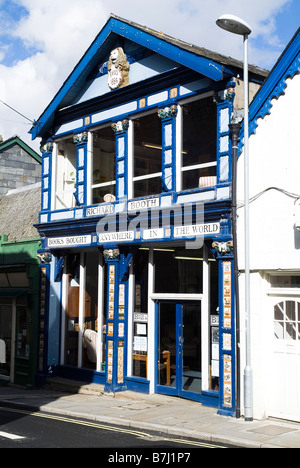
[[284, 391]]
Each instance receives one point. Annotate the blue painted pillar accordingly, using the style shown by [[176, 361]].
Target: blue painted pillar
[[168, 118], [115, 322], [81, 168], [227, 357]]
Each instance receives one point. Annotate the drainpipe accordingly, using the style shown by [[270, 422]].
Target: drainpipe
[[235, 129]]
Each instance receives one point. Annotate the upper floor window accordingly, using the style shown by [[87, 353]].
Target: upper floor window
[[104, 164], [147, 158], [65, 174], [199, 153]]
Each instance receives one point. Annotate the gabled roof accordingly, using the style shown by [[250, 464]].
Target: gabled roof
[[200, 60], [16, 140], [287, 66]]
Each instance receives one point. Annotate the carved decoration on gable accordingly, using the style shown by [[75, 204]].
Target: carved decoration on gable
[[118, 69]]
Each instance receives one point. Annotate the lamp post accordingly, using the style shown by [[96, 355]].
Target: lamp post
[[236, 25]]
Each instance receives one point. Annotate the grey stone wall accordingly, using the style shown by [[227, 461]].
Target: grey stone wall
[[17, 169]]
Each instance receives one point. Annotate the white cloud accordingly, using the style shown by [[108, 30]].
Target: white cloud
[[62, 30]]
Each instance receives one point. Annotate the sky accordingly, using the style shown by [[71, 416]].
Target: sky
[[41, 41]]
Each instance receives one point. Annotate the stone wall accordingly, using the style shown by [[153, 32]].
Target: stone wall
[[17, 169]]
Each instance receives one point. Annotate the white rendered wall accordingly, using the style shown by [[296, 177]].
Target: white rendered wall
[[274, 173], [274, 161]]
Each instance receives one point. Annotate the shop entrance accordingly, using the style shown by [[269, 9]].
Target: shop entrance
[[179, 349], [7, 326]]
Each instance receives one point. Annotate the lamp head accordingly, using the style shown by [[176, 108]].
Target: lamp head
[[234, 25]]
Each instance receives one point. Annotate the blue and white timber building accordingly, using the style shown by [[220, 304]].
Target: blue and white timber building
[[136, 217]]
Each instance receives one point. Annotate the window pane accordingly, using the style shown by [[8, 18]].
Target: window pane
[[65, 174], [278, 330], [290, 310], [290, 331], [285, 281], [147, 154], [199, 139], [147, 187], [279, 312], [100, 192], [72, 310], [167, 368], [191, 348], [104, 166], [23, 339], [90, 322], [178, 271], [140, 269], [191, 178]]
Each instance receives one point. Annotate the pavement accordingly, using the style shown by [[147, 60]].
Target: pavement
[[169, 415]]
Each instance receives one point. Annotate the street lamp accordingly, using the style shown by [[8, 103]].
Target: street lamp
[[236, 25]]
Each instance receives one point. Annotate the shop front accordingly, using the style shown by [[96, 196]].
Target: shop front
[[136, 217], [19, 303], [147, 316]]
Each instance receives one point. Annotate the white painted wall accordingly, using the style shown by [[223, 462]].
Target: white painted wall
[[274, 161], [274, 172]]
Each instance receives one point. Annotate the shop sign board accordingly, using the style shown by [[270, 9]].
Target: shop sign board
[[69, 241], [189, 231], [100, 210], [143, 204], [123, 236], [197, 230]]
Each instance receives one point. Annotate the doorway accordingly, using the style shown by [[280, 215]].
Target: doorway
[[284, 362], [7, 339], [179, 349]]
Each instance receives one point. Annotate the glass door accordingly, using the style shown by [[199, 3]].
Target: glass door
[[191, 347], [179, 349], [7, 328], [168, 342]]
